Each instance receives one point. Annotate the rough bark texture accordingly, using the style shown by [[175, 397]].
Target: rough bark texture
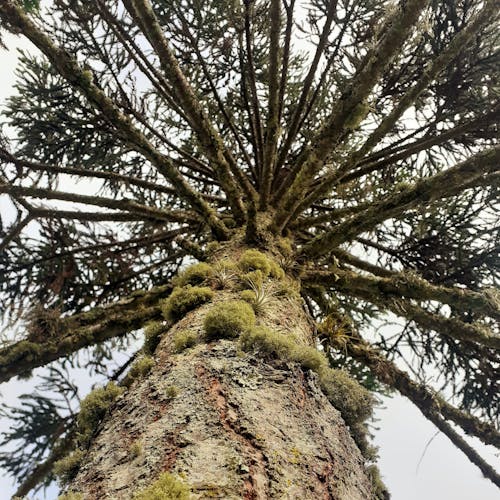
[[229, 424]]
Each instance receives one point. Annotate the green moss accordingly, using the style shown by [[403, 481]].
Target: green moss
[[248, 296], [284, 246], [229, 319], [353, 401], [279, 346], [253, 279], [183, 300], [139, 369], [360, 434], [171, 392], [135, 449], [67, 468], [309, 358], [277, 272], [70, 495], [93, 408], [379, 489], [212, 247], [194, 275], [267, 342], [253, 260], [152, 335], [166, 487], [183, 339]]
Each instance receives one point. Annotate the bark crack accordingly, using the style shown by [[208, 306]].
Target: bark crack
[[255, 485]]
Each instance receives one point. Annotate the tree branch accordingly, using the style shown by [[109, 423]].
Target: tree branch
[[430, 72], [124, 205], [59, 450], [254, 98], [15, 231], [467, 174], [273, 118], [349, 110], [82, 330], [220, 104], [410, 286], [98, 174], [432, 405], [357, 286], [12, 14], [391, 156], [293, 127], [223, 163]]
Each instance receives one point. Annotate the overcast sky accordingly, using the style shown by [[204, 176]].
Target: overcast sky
[[412, 468]]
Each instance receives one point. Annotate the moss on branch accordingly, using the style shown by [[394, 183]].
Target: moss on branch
[[432, 405], [428, 401], [411, 286], [82, 330]]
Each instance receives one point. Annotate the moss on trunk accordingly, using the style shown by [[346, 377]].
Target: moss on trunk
[[224, 416]]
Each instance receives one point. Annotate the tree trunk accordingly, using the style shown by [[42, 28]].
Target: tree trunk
[[227, 423]]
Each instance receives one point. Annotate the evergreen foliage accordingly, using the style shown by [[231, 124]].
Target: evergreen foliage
[[347, 151]]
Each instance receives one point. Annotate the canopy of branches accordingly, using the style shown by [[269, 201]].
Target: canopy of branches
[[362, 133]]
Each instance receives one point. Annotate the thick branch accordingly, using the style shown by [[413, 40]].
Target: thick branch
[[349, 110], [410, 286], [273, 119], [394, 155], [124, 205], [453, 328], [447, 183], [431, 404], [352, 260], [82, 330], [211, 142], [286, 54], [45, 213], [13, 15]]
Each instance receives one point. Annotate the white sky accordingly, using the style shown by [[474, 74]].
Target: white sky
[[444, 472]]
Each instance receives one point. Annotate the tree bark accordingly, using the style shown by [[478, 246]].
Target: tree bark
[[227, 423]]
